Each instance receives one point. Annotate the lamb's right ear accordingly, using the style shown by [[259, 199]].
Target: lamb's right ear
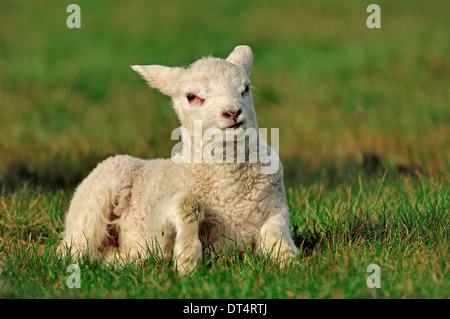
[[163, 78]]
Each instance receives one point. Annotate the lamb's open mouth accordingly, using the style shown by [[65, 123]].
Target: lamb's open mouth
[[236, 125]]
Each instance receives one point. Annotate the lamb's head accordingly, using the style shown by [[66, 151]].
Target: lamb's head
[[215, 91]]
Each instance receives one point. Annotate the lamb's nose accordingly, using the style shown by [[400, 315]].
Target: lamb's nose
[[231, 114]]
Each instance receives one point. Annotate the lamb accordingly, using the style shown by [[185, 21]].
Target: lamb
[[131, 207]]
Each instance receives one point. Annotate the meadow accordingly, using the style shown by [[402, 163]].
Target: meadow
[[363, 116]]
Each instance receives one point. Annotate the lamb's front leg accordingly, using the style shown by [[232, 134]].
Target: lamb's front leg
[[275, 238], [187, 251]]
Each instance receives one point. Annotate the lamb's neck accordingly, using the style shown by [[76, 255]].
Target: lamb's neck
[[256, 157], [253, 165], [218, 170]]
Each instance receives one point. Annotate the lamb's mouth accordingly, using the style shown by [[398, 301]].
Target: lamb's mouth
[[236, 125]]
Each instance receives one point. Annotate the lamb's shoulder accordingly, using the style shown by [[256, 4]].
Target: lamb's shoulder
[[151, 190], [158, 181]]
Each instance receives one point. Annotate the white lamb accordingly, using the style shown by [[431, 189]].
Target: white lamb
[[135, 207]]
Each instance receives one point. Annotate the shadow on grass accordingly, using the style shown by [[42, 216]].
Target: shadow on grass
[[66, 174], [53, 175], [331, 175], [359, 231]]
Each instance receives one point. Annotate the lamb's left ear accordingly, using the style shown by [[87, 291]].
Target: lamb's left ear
[[163, 78], [242, 55]]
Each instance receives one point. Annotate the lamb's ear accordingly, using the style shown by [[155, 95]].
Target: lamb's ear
[[163, 78], [242, 55]]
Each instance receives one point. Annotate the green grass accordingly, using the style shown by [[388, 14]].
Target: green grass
[[337, 90], [403, 226]]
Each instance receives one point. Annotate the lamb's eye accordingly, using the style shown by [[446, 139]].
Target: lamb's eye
[[247, 90], [190, 97], [194, 98]]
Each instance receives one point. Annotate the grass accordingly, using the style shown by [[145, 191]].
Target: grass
[[352, 105], [403, 226]]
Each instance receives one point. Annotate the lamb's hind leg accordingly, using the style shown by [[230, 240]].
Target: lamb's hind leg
[[187, 252], [86, 223], [91, 220]]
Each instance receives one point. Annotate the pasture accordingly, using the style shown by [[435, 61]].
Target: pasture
[[363, 116]]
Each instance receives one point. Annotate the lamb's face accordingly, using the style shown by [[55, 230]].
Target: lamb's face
[[217, 92], [212, 90]]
